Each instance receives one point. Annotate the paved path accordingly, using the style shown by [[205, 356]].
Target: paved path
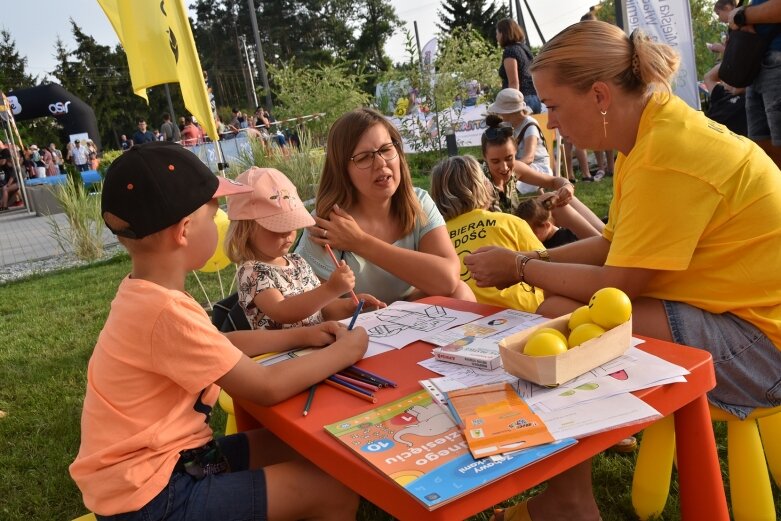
[[26, 237]]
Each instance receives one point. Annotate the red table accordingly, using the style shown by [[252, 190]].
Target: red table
[[701, 489]]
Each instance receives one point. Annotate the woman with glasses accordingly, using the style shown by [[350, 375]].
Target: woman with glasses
[[389, 232], [692, 236]]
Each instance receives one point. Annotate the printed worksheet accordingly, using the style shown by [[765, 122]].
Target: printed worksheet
[[486, 327], [465, 375], [402, 323]]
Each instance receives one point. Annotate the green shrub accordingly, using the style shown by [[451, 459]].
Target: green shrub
[[106, 160]]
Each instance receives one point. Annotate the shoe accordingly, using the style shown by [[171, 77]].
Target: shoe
[[625, 446], [599, 175], [573, 180], [517, 512]]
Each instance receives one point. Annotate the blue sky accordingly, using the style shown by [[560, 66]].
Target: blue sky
[[36, 24]]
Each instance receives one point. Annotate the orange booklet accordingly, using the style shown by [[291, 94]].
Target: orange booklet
[[495, 419]]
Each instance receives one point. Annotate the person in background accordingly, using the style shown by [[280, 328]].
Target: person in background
[[727, 105], [516, 58], [170, 132], [58, 159], [94, 162], [125, 143], [142, 135], [721, 224], [463, 196], [9, 181], [387, 231], [191, 135], [80, 156], [763, 97]]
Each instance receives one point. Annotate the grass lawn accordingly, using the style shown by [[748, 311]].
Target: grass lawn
[[50, 324]]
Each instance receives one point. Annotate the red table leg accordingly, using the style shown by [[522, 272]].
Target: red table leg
[[699, 475]]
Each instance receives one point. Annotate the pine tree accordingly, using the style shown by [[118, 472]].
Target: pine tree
[[12, 65], [462, 13]]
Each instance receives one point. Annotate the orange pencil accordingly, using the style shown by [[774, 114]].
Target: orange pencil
[[368, 398], [336, 264]]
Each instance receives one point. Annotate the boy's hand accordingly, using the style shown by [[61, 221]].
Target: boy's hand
[[370, 302], [324, 333], [356, 340], [341, 280]]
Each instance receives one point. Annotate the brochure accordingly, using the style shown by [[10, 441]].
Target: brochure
[[414, 442]]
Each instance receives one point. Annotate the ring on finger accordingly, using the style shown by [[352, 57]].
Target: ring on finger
[[325, 234]]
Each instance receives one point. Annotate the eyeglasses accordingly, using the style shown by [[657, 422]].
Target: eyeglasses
[[366, 159], [501, 131]]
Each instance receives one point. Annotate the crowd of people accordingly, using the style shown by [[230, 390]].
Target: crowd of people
[[695, 208]]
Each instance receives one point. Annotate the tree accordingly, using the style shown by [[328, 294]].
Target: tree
[[474, 13], [12, 65]]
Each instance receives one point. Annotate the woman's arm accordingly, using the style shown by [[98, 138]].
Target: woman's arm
[[529, 148], [433, 268], [511, 69]]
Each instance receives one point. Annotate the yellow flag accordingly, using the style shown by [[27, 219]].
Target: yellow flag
[[160, 49]]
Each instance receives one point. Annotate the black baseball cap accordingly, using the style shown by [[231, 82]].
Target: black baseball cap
[[154, 185]]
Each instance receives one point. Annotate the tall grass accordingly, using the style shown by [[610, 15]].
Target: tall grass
[[85, 223]]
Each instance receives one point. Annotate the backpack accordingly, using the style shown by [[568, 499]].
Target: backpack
[[522, 133], [228, 315]]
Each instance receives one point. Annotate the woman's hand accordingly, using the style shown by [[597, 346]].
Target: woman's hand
[[369, 302], [339, 230], [492, 266], [564, 191]]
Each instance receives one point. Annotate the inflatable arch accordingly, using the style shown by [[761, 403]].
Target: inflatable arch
[[52, 100]]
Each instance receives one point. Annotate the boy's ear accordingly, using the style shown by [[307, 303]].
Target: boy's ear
[[181, 230]]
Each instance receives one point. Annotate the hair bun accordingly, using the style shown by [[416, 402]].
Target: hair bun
[[492, 120]]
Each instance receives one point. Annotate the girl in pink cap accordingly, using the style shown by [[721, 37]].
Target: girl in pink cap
[[278, 289]]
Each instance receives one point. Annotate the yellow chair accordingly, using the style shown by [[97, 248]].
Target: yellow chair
[[86, 517], [551, 141], [226, 402], [750, 492]]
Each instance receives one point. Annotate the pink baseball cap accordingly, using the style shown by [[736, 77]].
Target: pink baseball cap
[[273, 203]]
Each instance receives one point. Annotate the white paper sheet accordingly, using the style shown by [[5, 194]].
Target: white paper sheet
[[486, 326], [402, 323]]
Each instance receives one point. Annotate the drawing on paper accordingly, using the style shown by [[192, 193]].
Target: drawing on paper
[[398, 320]]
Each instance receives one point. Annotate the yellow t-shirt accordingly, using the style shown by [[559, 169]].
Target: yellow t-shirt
[[478, 228], [703, 206], [150, 389]]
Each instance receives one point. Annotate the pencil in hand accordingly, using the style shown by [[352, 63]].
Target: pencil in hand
[[336, 264]]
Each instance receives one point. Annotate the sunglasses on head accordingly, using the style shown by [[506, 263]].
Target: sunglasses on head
[[501, 131]]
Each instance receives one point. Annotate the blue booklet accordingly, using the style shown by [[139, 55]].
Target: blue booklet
[[414, 442]]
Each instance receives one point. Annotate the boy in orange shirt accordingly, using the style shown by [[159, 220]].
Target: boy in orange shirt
[[147, 451]]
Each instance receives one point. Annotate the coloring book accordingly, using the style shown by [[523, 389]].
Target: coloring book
[[414, 442]]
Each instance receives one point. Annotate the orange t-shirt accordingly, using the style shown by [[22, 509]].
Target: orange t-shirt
[[150, 390]]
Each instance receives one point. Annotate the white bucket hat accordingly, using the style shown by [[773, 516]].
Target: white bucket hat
[[508, 101]]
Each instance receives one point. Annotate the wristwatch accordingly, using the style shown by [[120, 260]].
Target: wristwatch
[[543, 255], [740, 17]]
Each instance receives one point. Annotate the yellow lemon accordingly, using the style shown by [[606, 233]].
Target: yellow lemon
[[545, 344], [552, 331], [584, 332], [578, 317], [609, 307]]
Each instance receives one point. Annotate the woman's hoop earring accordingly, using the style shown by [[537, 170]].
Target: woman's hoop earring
[[604, 121]]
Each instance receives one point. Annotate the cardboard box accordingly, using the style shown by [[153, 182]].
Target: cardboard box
[[480, 353], [555, 370]]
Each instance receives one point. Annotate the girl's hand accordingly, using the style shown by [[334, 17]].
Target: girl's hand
[[341, 280], [492, 266], [339, 230], [355, 340], [324, 333], [564, 191], [369, 302]]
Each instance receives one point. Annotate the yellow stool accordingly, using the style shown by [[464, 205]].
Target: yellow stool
[[86, 517], [750, 491], [226, 402]]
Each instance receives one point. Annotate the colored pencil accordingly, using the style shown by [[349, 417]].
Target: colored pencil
[[364, 377], [309, 399], [350, 391], [357, 312], [340, 381], [377, 377], [336, 264], [358, 383]]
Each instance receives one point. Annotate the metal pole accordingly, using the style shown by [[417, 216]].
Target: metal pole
[[519, 14], [510, 5], [170, 104], [534, 21], [620, 6], [249, 71], [253, 17], [423, 78]]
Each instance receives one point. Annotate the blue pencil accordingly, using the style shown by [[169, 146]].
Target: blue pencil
[[358, 309]]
